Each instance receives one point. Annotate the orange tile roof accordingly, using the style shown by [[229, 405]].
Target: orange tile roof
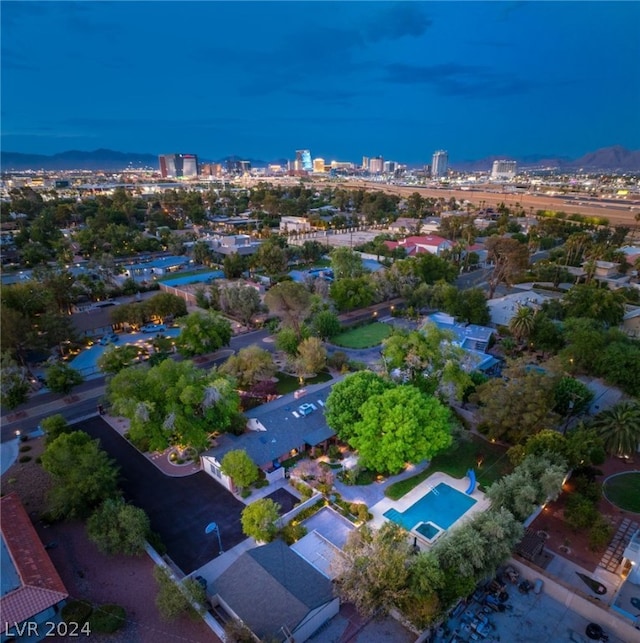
[[41, 586]]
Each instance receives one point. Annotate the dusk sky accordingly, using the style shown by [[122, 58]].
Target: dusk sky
[[262, 79]]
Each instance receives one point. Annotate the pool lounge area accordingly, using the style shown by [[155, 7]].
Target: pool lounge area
[[434, 506]]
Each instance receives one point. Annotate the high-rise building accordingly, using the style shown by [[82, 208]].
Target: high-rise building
[[365, 162], [504, 170], [376, 165], [178, 166], [389, 167], [303, 161], [318, 165], [439, 164]]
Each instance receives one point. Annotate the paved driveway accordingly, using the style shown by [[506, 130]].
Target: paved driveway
[[179, 508]]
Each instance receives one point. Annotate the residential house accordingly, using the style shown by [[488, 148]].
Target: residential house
[[150, 270], [472, 338], [32, 590], [232, 244], [503, 309], [631, 321], [295, 224], [275, 432], [406, 224], [276, 593], [414, 245]]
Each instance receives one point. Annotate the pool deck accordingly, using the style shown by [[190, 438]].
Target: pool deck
[[461, 485]]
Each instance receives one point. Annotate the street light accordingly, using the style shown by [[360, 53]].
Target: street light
[[210, 528]]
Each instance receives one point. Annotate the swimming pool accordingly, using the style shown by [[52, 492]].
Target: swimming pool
[[442, 506]]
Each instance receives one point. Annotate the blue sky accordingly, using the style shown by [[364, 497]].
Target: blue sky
[[344, 79]]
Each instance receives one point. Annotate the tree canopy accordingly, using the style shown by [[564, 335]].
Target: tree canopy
[[173, 403], [203, 332], [344, 403], [259, 519], [291, 302], [400, 425], [518, 405], [83, 475], [373, 572], [249, 366], [119, 528], [239, 467]]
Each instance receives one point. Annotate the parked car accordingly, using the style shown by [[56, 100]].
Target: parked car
[[153, 328], [109, 339]]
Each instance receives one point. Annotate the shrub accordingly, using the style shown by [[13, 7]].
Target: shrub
[[580, 512], [292, 532], [25, 448], [600, 534], [76, 612], [338, 360], [24, 458], [334, 452], [107, 619], [153, 538], [245, 493]]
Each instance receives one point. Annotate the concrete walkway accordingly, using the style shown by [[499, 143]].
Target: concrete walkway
[[372, 494]]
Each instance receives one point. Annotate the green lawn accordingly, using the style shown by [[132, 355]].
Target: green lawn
[[363, 336], [290, 383], [188, 273], [624, 491], [456, 461]]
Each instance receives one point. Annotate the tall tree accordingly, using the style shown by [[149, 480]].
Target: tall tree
[[522, 323], [513, 409], [534, 480], [250, 366], [428, 358], [14, 385], [509, 258], [373, 571], [312, 357], [119, 528], [398, 426], [272, 258], [350, 293], [83, 475], [619, 428], [61, 378], [346, 263], [344, 404], [203, 332], [291, 302], [259, 519], [240, 468]]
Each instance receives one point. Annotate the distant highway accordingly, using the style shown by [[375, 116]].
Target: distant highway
[[617, 211]]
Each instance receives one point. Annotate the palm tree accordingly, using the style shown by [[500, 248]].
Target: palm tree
[[521, 324], [619, 427]]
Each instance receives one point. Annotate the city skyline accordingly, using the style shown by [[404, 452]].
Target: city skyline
[[341, 79]]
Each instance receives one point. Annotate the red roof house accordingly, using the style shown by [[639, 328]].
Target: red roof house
[[31, 586]]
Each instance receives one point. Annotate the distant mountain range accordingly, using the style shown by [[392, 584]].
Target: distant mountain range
[[615, 158]]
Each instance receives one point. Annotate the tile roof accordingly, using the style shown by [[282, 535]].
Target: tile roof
[[40, 585]]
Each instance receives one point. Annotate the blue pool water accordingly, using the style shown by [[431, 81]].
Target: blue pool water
[[428, 530], [443, 505]]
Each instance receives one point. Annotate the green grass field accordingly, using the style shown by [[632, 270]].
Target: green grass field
[[456, 461], [290, 383], [624, 491], [363, 336]]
